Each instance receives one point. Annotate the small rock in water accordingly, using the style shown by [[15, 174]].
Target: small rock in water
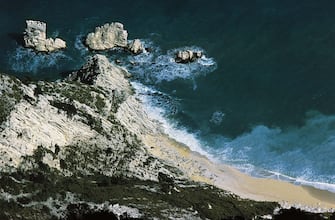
[[35, 37], [148, 49], [136, 47], [132, 63], [217, 117], [187, 56]]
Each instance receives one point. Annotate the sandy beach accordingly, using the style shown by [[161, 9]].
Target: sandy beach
[[199, 168]]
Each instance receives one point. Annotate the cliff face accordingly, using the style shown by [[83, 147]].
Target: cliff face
[[73, 150], [85, 118]]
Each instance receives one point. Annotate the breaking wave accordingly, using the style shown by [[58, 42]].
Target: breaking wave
[[301, 155], [148, 96], [155, 66], [23, 60]]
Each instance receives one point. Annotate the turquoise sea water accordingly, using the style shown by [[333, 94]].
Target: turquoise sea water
[[263, 98]]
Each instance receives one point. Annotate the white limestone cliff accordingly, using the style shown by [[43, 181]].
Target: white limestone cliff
[[72, 121]]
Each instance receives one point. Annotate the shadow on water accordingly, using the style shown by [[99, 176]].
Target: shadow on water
[[17, 37]]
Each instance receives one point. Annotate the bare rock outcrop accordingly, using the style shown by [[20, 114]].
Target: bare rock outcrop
[[107, 37], [136, 47], [35, 37], [92, 112], [187, 56]]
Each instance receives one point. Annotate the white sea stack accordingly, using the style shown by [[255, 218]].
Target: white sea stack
[[136, 46], [35, 37], [107, 37]]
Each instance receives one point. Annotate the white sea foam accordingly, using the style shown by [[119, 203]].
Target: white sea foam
[[156, 66], [180, 134], [79, 45], [301, 155], [27, 60]]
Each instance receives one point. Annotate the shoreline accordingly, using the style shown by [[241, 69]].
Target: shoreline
[[198, 167]]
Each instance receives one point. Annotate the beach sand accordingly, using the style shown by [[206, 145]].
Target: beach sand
[[199, 168]]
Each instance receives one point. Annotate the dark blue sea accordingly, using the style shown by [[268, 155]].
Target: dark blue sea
[[262, 99]]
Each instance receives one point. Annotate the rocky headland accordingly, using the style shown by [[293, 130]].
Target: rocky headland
[[84, 148], [35, 36]]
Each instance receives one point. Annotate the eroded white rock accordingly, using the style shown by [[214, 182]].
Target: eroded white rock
[[136, 47], [117, 127], [107, 36], [35, 37]]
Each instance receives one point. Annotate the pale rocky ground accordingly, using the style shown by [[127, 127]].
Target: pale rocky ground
[[35, 121]]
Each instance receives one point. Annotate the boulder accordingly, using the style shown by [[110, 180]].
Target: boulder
[[136, 47], [35, 37], [107, 36], [187, 56]]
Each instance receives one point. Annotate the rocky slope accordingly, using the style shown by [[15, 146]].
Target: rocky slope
[[74, 149]]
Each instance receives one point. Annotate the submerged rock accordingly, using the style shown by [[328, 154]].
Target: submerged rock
[[187, 56], [35, 37], [136, 47], [107, 37]]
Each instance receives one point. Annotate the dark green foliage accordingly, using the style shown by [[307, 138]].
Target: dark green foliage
[[167, 197], [16, 92], [70, 109], [38, 90], [5, 108], [166, 182], [28, 99], [57, 149], [9, 97], [298, 214], [153, 199], [82, 212], [100, 103], [94, 123], [15, 211], [99, 189]]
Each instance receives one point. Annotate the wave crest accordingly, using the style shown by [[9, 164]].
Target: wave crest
[[302, 155], [156, 67], [24, 60]]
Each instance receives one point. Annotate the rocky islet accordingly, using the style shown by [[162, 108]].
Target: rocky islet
[[112, 35], [187, 56], [35, 36], [105, 37]]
